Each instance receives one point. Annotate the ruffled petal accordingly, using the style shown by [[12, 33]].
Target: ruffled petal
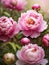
[[18, 55], [43, 26], [43, 61], [27, 33], [35, 35]]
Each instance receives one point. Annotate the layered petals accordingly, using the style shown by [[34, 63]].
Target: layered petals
[[32, 54], [32, 24], [8, 28]]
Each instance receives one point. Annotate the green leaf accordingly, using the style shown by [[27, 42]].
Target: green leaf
[[7, 14], [13, 46]]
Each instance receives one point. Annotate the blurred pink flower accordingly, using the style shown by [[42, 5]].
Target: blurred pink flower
[[32, 24], [8, 28], [45, 40], [14, 4], [31, 54]]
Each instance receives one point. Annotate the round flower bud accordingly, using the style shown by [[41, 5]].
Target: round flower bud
[[36, 7], [25, 41], [45, 40], [9, 58]]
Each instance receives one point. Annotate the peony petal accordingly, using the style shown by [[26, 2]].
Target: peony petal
[[35, 35], [18, 55], [18, 62], [27, 33], [43, 26], [16, 29], [43, 61]]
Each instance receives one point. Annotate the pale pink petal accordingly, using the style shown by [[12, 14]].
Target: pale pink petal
[[35, 35], [18, 55], [22, 26], [18, 62], [27, 33], [16, 29], [43, 61], [43, 26]]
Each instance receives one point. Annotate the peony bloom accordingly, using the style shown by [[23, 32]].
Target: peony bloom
[[31, 54], [8, 28], [32, 24], [45, 40], [14, 4], [36, 7]]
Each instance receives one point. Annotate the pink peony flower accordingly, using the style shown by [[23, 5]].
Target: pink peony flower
[[36, 7], [45, 40], [14, 4], [31, 54], [25, 41], [8, 28], [32, 24]]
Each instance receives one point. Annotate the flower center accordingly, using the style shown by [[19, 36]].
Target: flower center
[[30, 21], [34, 50]]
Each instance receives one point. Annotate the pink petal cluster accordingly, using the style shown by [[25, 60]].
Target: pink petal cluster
[[14, 4], [31, 54], [8, 28], [45, 40], [32, 24]]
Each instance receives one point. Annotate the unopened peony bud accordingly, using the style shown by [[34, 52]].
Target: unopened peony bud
[[36, 7], [25, 41], [9, 58], [45, 40]]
